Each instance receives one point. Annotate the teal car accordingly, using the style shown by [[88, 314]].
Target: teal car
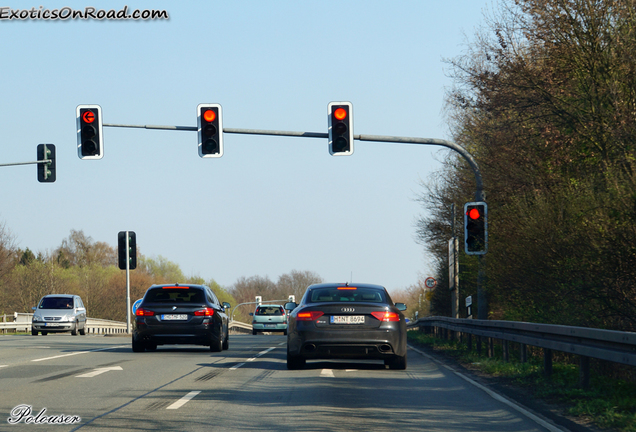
[[269, 318]]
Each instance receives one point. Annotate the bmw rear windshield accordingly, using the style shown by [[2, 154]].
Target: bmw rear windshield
[[347, 294], [175, 295]]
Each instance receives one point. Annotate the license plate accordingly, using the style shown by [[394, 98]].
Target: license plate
[[52, 325], [270, 325], [171, 317], [347, 319]]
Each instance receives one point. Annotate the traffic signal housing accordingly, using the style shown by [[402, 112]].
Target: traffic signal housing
[[132, 249], [46, 171], [89, 132], [210, 130], [476, 228], [340, 128]]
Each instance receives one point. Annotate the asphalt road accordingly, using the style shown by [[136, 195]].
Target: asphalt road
[[96, 383]]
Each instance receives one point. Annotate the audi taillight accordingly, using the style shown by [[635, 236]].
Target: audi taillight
[[386, 316], [309, 316], [144, 312], [204, 312]]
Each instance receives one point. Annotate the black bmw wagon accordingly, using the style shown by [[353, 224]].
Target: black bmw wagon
[[180, 314]]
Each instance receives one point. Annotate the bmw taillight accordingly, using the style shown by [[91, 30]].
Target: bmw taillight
[[386, 316], [204, 312], [309, 316], [144, 312]]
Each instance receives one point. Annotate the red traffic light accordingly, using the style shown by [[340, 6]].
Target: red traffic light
[[88, 117], [473, 213], [209, 116], [340, 113]]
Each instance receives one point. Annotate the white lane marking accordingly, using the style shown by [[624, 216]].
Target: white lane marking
[[98, 371], [236, 366], [78, 352], [181, 402], [1, 366], [549, 426], [327, 373]]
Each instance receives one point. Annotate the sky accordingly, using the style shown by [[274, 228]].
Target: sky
[[270, 205]]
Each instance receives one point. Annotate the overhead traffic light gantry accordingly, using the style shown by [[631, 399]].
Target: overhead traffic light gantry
[[210, 130], [89, 132], [340, 128], [476, 228]]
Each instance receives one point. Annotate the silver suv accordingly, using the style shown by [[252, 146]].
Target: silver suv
[[58, 313]]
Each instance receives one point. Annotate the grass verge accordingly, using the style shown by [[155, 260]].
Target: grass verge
[[608, 403]]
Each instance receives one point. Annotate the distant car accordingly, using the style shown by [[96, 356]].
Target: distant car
[[343, 321], [269, 318], [180, 314], [59, 313]]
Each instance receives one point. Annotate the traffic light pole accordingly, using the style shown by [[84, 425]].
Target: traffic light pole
[[482, 308], [127, 283]]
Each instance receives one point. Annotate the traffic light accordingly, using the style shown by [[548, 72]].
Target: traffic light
[[89, 132], [210, 130], [476, 228], [46, 171], [340, 128], [132, 249]]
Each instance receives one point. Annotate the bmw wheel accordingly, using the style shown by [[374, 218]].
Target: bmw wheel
[[137, 346]]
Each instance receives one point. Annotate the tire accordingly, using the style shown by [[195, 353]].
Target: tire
[[74, 331], [83, 330], [295, 362], [254, 332], [285, 333], [226, 342], [216, 345], [44, 333], [34, 332], [137, 346], [396, 363]]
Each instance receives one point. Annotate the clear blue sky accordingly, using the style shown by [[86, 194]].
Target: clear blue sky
[[270, 204]]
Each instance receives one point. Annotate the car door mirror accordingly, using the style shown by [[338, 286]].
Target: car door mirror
[[226, 305], [400, 306], [290, 306]]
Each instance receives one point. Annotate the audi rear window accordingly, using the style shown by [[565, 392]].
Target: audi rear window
[[175, 295], [347, 294]]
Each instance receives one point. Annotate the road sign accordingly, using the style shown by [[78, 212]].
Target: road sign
[[430, 282], [135, 306]]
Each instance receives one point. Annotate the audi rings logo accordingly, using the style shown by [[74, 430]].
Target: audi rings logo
[[348, 309]]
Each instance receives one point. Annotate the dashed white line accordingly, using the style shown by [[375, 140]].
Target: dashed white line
[[236, 366], [327, 373], [181, 402], [77, 352]]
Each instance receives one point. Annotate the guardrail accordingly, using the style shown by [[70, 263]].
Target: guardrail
[[610, 345], [22, 323], [240, 327]]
